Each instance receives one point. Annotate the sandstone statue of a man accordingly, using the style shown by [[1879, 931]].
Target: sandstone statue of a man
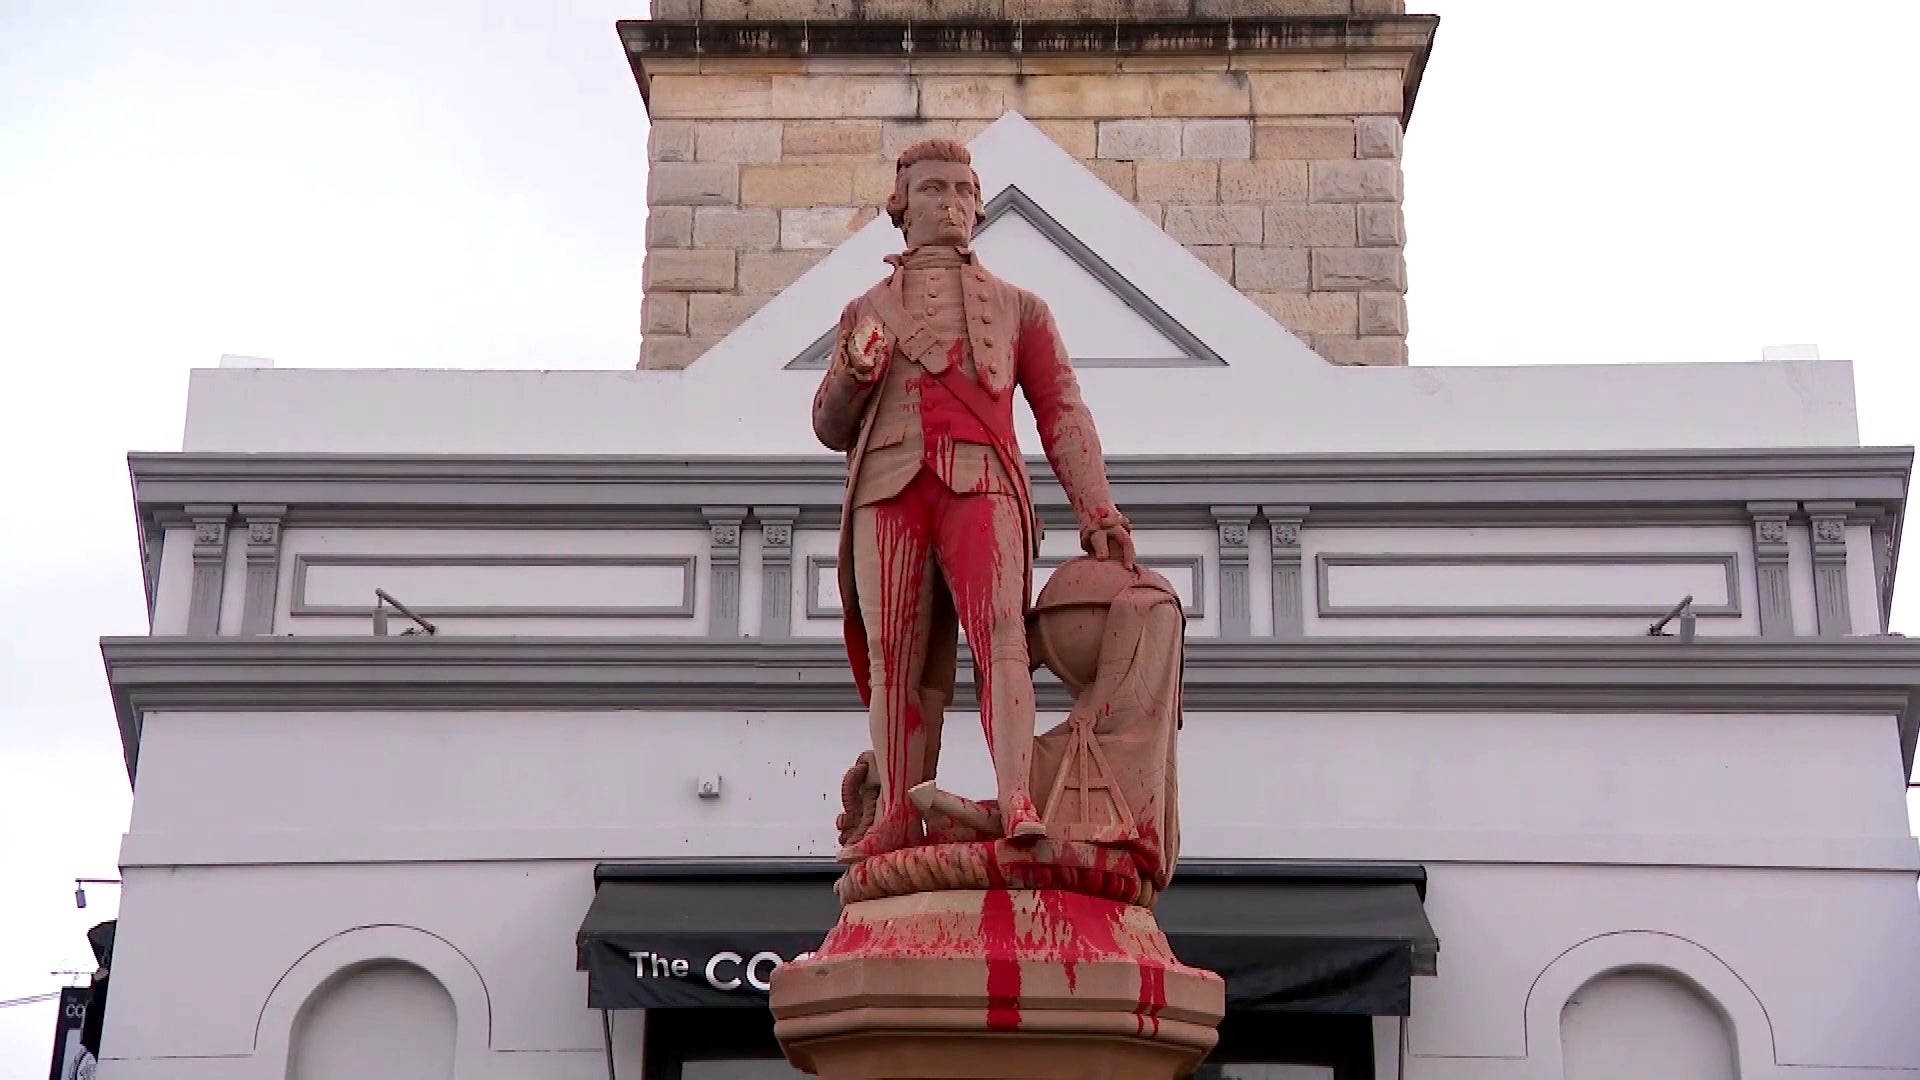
[[938, 531]]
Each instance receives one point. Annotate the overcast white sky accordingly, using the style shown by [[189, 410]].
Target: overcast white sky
[[435, 184]]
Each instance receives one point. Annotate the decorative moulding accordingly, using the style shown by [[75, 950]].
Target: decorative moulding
[[1622, 487], [1827, 528], [1232, 525], [1330, 608], [243, 846], [1773, 558], [209, 567], [666, 46], [682, 607], [1737, 676], [776, 569], [724, 570], [1284, 524], [262, 595]]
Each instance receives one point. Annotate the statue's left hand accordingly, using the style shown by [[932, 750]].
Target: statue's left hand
[[1109, 537]]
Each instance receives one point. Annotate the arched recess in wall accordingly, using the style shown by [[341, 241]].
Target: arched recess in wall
[[380, 1018], [1646, 951], [375, 948], [1646, 1023]]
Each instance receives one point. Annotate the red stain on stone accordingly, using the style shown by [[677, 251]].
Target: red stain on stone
[[999, 938], [901, 539], [1066, 428], [847, 937], [1153, 996], [1081, 929], [1149, 855]]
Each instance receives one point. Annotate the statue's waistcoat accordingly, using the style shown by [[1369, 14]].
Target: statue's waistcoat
[[917, 423]]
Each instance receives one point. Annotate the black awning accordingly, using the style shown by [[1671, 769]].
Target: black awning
[[668, 938], [1334, 939]]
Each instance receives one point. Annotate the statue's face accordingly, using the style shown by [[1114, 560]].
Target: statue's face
[[942, 203]]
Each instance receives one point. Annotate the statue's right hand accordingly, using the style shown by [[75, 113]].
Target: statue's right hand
[[863, 353]]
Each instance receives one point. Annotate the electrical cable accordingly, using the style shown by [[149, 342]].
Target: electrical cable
[[9, 1002]]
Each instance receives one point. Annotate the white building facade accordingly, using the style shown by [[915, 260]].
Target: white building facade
[[1419, 666]]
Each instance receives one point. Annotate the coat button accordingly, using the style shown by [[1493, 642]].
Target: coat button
[[987, 342], [986, 316]]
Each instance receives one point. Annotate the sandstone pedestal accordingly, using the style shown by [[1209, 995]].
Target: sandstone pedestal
[[996, 984]]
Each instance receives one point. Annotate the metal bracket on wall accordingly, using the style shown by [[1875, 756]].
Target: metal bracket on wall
[[381, 600], [1679, 611]]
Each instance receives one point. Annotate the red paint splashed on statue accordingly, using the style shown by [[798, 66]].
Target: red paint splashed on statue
[[1047, 377], [1149, 854], [999, 939], [901, 541]]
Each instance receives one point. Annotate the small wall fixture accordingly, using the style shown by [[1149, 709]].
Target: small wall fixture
[[80, 888], [709, 787], [1679, 611], [382, 599]]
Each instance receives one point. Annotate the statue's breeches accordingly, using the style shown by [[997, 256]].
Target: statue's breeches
[[980, 549]]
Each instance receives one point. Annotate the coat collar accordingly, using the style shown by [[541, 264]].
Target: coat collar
[[967, 256]]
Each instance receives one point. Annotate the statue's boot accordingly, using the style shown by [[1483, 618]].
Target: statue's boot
[[894, 828], [1024, 822]]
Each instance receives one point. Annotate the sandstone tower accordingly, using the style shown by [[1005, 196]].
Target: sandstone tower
[[1264, 135]]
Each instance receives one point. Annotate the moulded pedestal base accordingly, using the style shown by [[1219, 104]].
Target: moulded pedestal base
[[996, 984]]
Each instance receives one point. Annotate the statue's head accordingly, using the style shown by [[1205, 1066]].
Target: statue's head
[[936, 194]]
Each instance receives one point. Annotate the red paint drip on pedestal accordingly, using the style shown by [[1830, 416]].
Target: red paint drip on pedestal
[[1082, 929], [1000, 941], [1153, 997], [846, 938]]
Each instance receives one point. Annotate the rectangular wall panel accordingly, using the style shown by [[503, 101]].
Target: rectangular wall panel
[[506, 586], [1593, 584]]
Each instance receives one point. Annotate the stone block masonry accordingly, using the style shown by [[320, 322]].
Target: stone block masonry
[[1277, 167]]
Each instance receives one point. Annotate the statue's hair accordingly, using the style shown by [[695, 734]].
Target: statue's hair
[[927, 150]]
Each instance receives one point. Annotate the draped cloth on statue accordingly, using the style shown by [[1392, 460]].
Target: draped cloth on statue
[[1132, 703]]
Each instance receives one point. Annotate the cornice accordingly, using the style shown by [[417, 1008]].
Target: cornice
[[1163, 36], [656, 46], [1644, 486], [1753, 676]]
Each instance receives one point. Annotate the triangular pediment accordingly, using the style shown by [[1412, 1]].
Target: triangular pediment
[[1104, 319], [1126, 295]]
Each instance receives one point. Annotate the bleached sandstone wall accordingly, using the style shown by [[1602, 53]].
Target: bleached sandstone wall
[[1280, 170]]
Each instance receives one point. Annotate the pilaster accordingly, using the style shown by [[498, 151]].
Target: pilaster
[[723, 558], [1827, 525], [1236, 585], [263, 567], [209, 568], [1882, 534], [776, 569], [1289, 598], [153, 542], [1771, 558]]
